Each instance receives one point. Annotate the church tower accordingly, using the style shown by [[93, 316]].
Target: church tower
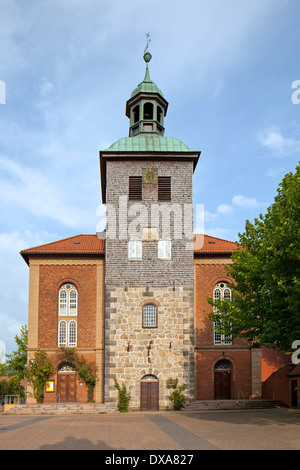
[[147, 187]]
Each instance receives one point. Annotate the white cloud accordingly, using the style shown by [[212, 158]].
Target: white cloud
[[37, 193], [14, 281], [273, 139], [244, 201], [225, 209]]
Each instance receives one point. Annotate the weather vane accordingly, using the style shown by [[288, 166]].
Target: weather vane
[[148, 41]]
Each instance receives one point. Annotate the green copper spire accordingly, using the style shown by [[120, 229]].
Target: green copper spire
[[147, 85], [146, 107]]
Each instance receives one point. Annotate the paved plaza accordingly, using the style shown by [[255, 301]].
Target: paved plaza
[[276, 429]]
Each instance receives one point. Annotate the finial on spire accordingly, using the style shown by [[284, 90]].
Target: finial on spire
[[147, 56]]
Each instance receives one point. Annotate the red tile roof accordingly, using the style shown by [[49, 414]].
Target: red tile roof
[[205, 244], [92, 244], [79, 244]]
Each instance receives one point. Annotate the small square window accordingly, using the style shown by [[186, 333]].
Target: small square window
[[135, 249], [164, 249]]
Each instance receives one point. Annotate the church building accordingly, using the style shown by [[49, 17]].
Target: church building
[[132, 300]]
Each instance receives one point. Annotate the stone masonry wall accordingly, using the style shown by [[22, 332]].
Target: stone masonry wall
[[126, 215], [133, 351]]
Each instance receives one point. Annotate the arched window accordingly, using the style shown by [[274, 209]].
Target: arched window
[[63, 302], [159, 114], [150, 316], [67, 300], [221, 291], [62, 333], [136, 114], [148, 111], [72, 333]]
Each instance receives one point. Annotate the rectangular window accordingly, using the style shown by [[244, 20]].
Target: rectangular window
[[135, 249], [164, 188], [135, 188], [164, 249], [149, 316]]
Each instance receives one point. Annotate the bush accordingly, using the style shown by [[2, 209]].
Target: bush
[[123, 397], [176, 397]]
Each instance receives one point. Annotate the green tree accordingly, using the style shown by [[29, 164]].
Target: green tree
[[16, 363], [39, 370], [266, 272]]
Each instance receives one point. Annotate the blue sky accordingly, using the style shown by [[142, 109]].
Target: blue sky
[[226, 69]]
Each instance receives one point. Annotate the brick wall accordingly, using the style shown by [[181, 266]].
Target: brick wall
[[51, 279], [210, 271], [87, 274]]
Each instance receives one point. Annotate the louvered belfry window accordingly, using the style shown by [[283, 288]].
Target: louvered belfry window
[[135, 188], [164, 188]]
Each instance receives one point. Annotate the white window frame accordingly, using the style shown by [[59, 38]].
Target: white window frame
[[67, 303], [63, 302], [221, 291], [164, 249], [150, 315], [135, 249], [67, 333], [62, 334], [72, 333]]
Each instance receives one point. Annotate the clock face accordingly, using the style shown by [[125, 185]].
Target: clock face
[[150, 175]]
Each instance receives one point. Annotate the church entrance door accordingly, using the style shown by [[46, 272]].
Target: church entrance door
[[149, 393], [223, 380], [67, 383]]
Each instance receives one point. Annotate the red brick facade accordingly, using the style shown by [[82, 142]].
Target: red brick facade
[[51, 279], [210, 271]]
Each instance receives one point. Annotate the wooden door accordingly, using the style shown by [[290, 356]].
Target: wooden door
[[149, 396], [294, 393], [222, 384], [67, 386]]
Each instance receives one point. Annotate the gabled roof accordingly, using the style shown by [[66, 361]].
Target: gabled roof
[[77, 245], [94, 245], [205, 244]]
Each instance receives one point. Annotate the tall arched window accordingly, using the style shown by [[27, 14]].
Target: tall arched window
[[136, 114], [72, 333], [150, 316], [221, 291], [148, 111], [67, 300], [67, 307], [159, 114], [62, 333]]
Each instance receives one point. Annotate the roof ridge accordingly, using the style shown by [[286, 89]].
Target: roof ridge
[[60, 240], [216, 238]]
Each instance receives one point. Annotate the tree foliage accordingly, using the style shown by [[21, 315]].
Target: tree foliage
[[39, 370], [15, 363], [266, 273], [123, 397], [87, 371], [176, 397]]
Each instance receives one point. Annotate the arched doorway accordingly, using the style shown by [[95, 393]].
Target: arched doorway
[[149, 393], [66, 375], [222, 380]]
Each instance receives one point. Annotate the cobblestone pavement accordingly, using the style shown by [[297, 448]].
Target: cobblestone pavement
[[277, 429]]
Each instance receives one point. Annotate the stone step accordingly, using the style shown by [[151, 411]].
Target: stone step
[[232, 404], [60, 408]]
